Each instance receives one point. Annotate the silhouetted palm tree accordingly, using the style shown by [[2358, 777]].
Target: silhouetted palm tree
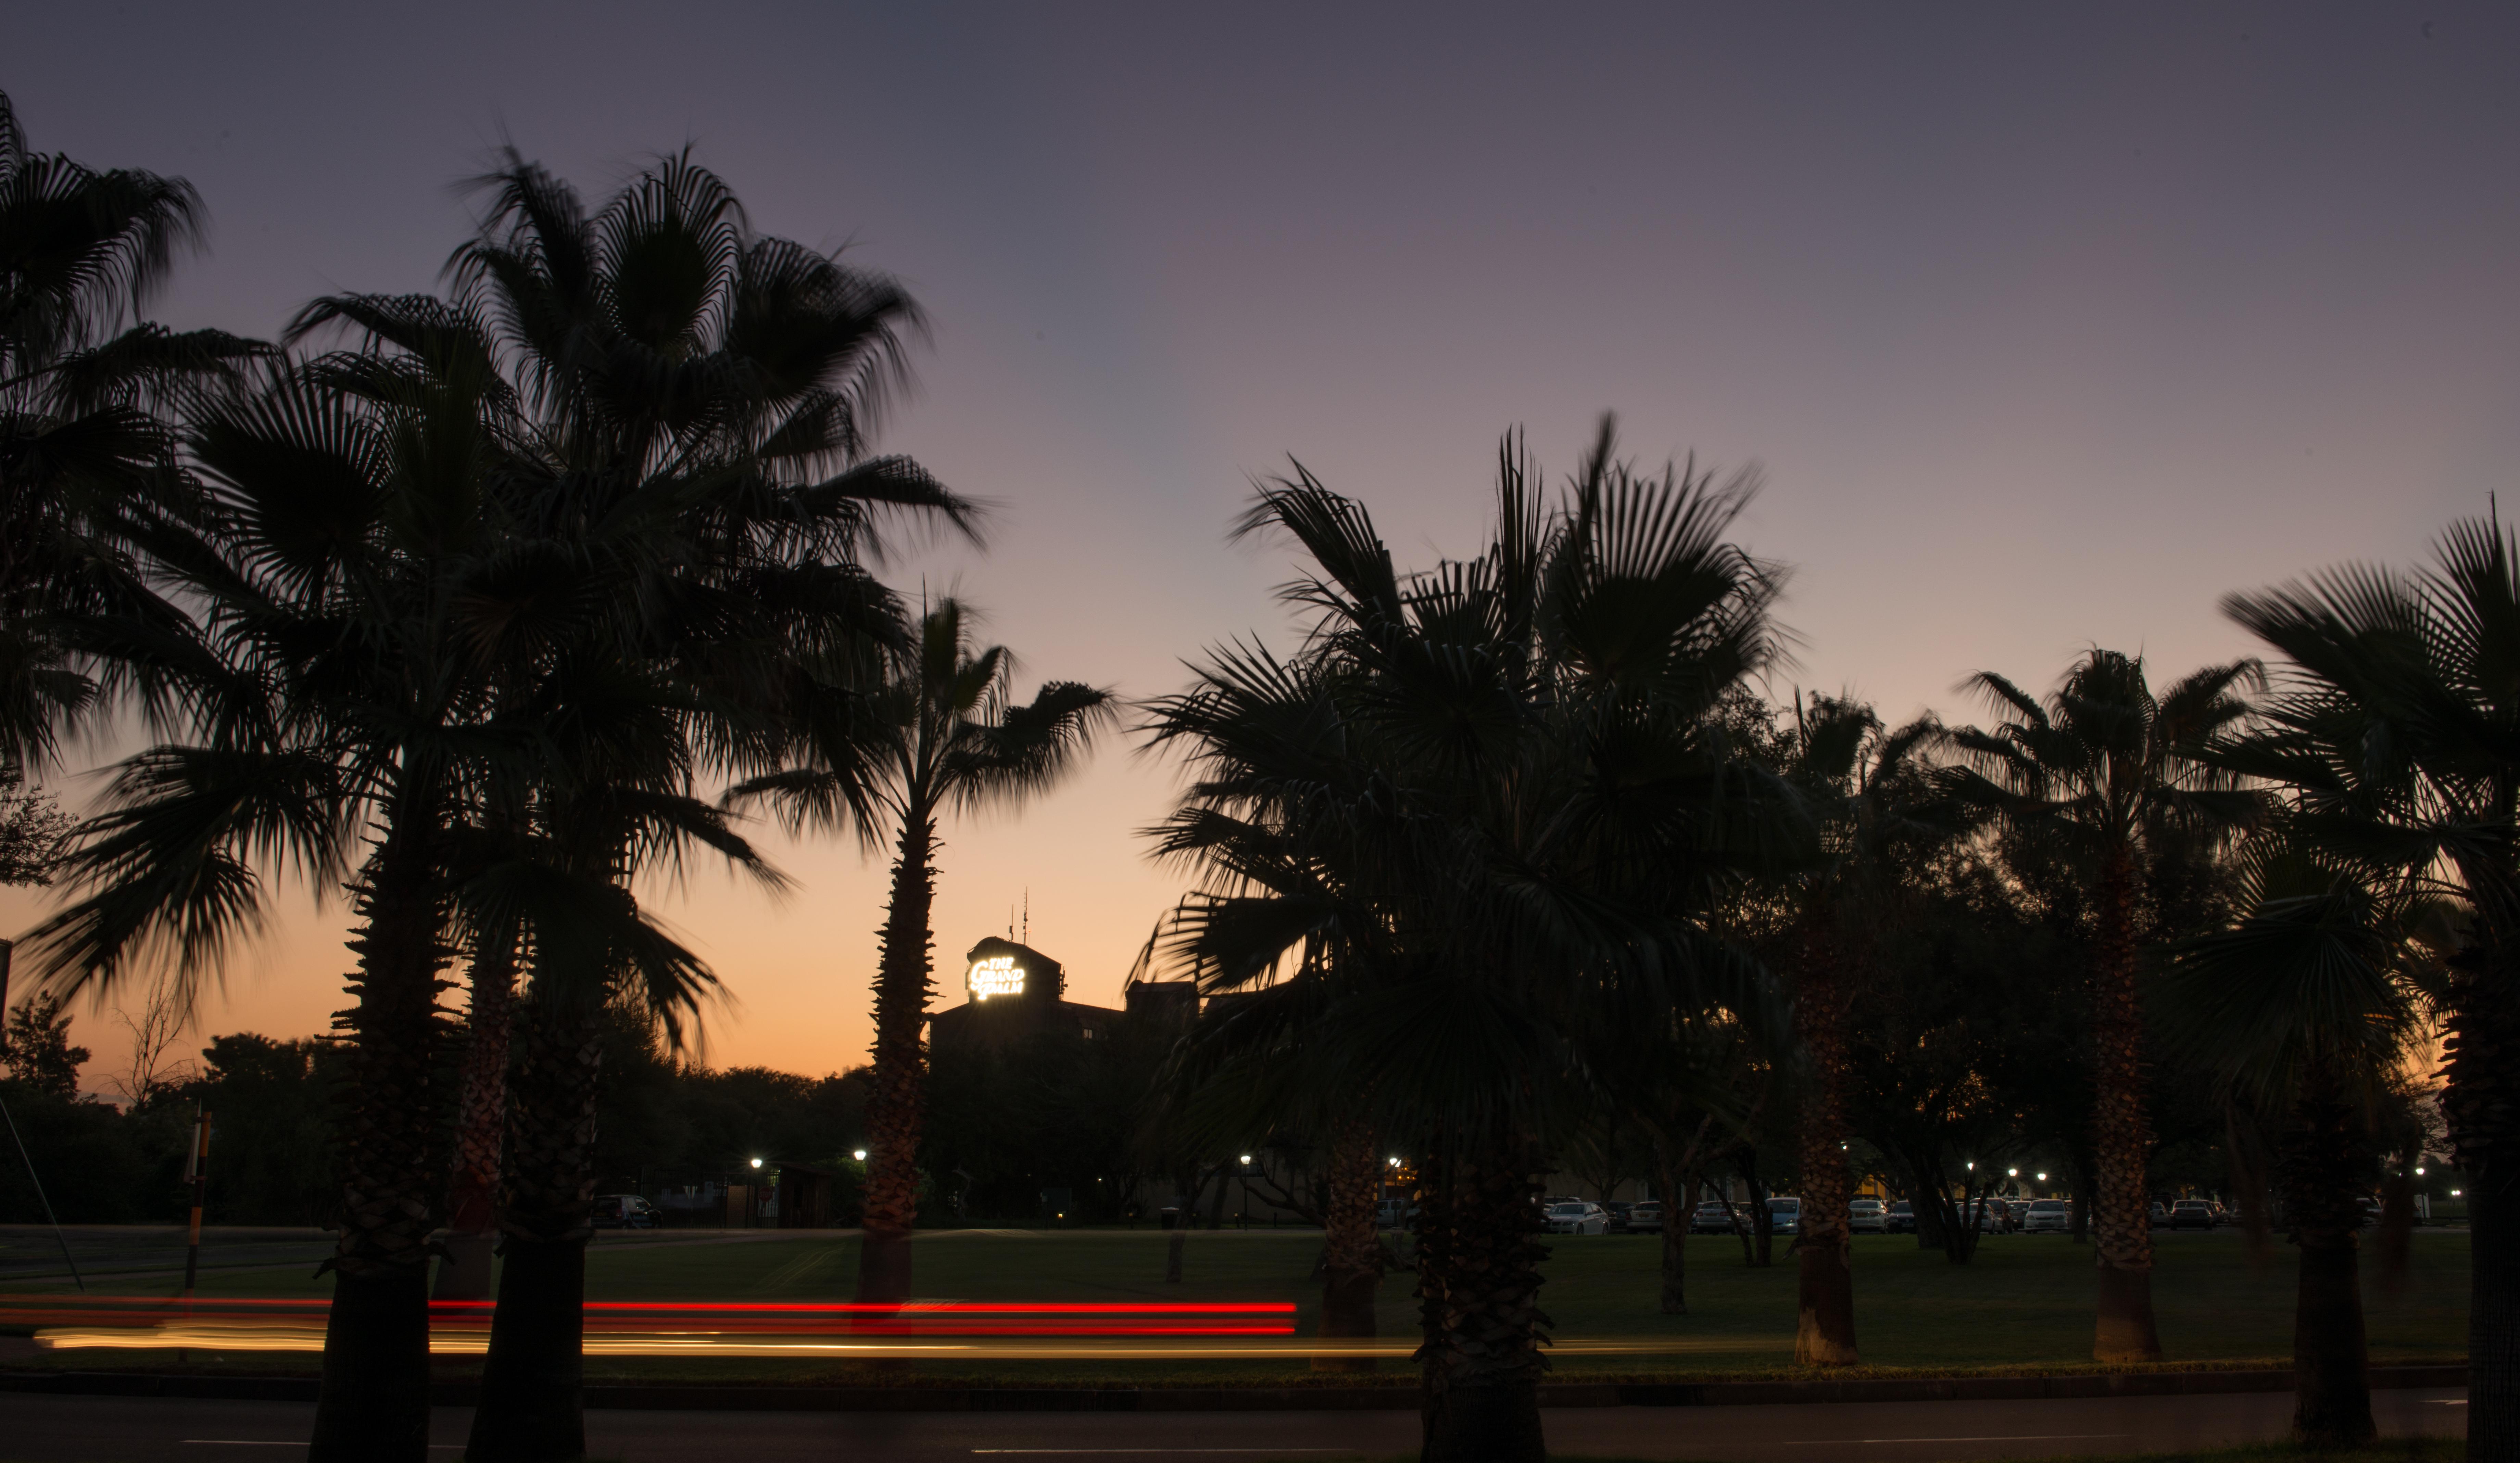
[[83, 450], [1462, 839], [940, 733], [1880, 815], [2105, 768], [2396, 731], [2307, 1007], [331, 698]]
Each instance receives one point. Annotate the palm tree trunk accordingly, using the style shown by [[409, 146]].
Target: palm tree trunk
[[897, 1112], [2249, 1184], [1825, 1333], [1478, 1292], [1352, 1269], [481, 1128], [2481, 1101], [533, 1407], [2121, 1132], [2321, 1162], [2395, 1239], [1679, 1199], [373, 1402]]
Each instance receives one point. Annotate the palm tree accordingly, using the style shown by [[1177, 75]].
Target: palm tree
[[681, 369], [1462, 839], [2107, 771], [940, 733], [615, 799], [329, 694], [2307, 1007], [83, 450], [2396, 731], [1880, 816]]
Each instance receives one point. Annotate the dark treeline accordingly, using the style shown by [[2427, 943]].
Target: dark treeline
[[1050, 1115]]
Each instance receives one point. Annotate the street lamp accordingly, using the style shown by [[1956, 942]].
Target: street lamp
[[2012, 1173], [2043, 1179], [2419, 1170], [1395, 1162], [1245, 1159], [756, 1163], [861, 1155], [1971, 1166]]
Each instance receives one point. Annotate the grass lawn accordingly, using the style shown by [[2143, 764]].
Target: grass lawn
[[2025, 1304]]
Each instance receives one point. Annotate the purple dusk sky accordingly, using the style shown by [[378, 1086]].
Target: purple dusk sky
[[2048, 326]]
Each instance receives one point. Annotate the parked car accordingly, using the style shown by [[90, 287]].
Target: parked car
[[1714, 1216], [1578, 1216], [2049, 1217], [1786, 1215], [1868, 1217], [1899, 1219], [2160, 1215], [623, 1212], [2222, 1216], [2371, 1210], [1991, 1217], [1645, 1218], [2192, 1214], [1617, 1208]]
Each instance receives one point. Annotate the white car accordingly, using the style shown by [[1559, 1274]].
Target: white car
[[1868, 1217], [2049, 1217], [1578, 1216]]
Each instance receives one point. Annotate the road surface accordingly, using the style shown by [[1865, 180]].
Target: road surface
[[111, 1430]]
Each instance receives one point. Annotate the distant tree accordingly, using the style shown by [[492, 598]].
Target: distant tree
[[34, 831], [39, 1054], [272, 1158]]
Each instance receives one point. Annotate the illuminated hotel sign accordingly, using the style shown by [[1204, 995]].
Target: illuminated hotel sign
[[998, 975]]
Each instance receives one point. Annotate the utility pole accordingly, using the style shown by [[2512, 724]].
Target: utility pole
[[197, 1172]]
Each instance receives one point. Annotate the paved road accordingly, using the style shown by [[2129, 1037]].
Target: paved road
[[111, 1429]]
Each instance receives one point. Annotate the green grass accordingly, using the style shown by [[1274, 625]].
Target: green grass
[[2023, 1305]]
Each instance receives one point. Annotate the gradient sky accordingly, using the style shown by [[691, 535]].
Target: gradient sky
[[2048, 326]]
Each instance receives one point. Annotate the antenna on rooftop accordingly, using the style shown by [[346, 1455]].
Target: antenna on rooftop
[[1027, 935]]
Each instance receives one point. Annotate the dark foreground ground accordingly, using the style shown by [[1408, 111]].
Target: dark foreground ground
[[111, 1429]]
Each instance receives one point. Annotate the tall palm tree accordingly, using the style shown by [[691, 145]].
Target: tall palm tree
[[2396, 728], [2308, 1006], [2108, 769], [940, 733], [1463, 838], [616, 800], [1880, 814], [329, 701], [683, 370]]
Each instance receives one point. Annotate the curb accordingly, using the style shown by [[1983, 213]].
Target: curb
[[697, 1398]]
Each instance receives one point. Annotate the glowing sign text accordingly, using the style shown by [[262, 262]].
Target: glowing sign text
[[998, 975]]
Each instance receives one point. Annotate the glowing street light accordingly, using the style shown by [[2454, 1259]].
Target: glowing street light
[[1971, 1166], [756, 1163], [2043, 1179], [1395, 1162], [861, 1155], [2419, 1170], [1245, 1159], [2012, 1173]]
